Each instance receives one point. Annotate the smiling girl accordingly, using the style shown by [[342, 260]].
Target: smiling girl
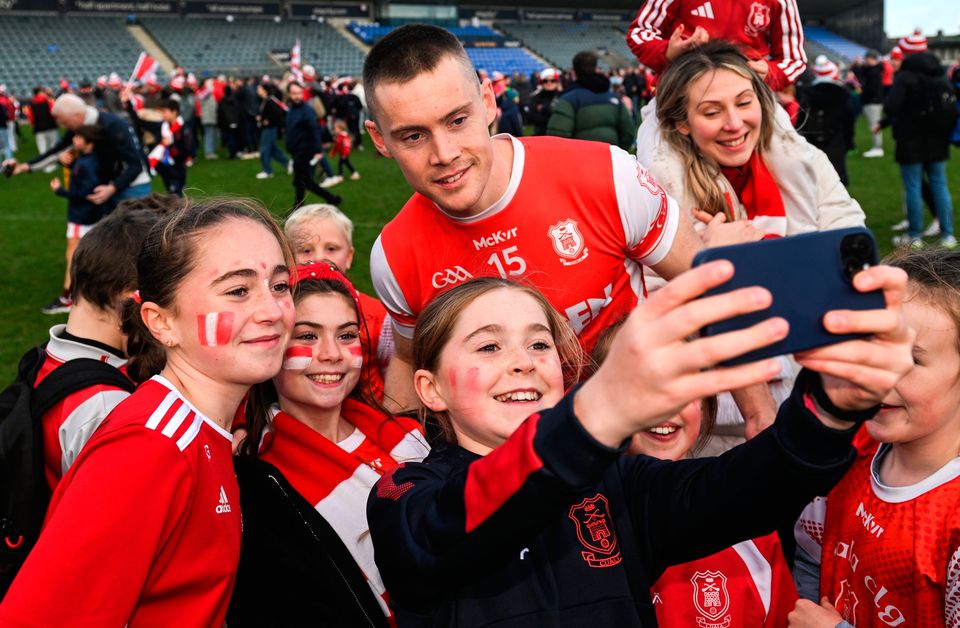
[[317, 445], [144, 529], [529, 514], [891, 535]]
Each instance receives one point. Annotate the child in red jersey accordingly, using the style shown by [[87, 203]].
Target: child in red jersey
[[748, 584], [342, 146], [323, 232], [891, 535], [529, 514], [316, 431], [144, 529]]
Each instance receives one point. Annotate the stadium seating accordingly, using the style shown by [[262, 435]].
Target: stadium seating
[[244, 46], [506, 60], [42, 50], [559, 42], [369, 33], [834, 44]]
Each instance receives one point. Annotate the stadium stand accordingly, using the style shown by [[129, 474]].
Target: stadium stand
[[834, 44], [500, 59], [558, 42], [38, 50], [244, 46], [369, 33], [506, 60]]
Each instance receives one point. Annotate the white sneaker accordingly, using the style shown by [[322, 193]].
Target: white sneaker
[[873, 153], [907, 241], [901, 226], [290, 167], [329, 182], [356, 175], [264, 175], [933, 229], [948, 242]]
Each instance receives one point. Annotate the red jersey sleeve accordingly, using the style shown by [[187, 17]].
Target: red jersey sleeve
[[787, 57], [107, 521], [650, 32]]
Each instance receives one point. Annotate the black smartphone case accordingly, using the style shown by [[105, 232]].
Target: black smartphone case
[[808, 275]]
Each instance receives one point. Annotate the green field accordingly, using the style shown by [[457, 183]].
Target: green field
[[32, 223]]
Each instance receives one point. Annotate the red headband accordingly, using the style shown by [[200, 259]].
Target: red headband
[[324, 270]]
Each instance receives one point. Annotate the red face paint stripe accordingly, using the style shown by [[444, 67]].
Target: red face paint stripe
[[224, 327], [492, 480]]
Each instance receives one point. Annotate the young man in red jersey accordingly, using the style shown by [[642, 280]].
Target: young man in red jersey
[[577, 219]]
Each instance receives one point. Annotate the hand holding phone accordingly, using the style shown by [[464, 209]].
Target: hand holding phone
[[808, 275]]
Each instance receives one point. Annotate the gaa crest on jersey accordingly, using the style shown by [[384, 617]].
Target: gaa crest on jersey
[[758, 20], [568, 241], [591, 519], [711, 599]]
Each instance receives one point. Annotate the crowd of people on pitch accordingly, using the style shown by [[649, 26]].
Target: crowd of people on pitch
[[524, 426]]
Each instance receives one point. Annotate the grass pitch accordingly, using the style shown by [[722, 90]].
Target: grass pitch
[[33, 222]]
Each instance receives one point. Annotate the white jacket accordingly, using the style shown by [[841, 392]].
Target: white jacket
[[813, 197]]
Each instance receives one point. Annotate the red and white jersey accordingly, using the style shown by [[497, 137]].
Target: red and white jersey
[[578, 220], [891, 554], [770, 28], [69, 424], [748, 584], [337, 477], [143, 530]]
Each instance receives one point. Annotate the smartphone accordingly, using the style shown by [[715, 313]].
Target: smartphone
[[808, 275]]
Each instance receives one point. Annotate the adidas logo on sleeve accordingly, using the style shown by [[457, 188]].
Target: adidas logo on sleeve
[[704, 10]]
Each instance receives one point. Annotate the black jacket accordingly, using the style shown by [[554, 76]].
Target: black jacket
[[119, 156], [294, 569], [553, 529], [303, 132], [871, 82], [915, 144]]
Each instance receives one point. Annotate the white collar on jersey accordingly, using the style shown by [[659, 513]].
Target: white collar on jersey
[[516, 173], [65, 350], [900, 494]]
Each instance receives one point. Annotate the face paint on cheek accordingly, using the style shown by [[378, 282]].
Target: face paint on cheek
[[357, 353], [214, 329], [473, 379], [297, 358], [452, 376]]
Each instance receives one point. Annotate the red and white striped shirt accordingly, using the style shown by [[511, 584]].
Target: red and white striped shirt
[[337, 477], [770, 28], [143, 530]]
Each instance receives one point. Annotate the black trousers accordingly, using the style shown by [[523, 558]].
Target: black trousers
[[303, 180]]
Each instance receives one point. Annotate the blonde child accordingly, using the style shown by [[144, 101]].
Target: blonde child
[[528, 513], [322, 232], [891, 530]]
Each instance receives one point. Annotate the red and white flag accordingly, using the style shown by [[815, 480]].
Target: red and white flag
[[145, 68], [214, 329], [295, 61]]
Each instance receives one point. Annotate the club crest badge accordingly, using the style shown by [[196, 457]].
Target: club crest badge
[[566, 238], [647, 181], [847, 602], [710, 598], [591, 519], [758, 20]]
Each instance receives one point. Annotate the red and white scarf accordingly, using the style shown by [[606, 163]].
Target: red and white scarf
[[337, 477], [760, 195]]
